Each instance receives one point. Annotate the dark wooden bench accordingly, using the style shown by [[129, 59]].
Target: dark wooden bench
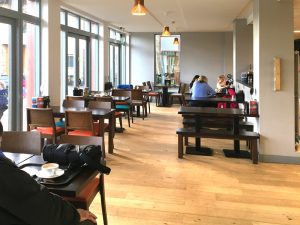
[[250, 136], [217, 123]]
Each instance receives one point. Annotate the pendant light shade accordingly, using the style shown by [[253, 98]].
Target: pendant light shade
[[166, 32], [138, 9], [176, 41]]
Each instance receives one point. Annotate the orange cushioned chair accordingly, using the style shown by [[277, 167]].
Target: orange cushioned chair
[[80, 123], [42, 120]]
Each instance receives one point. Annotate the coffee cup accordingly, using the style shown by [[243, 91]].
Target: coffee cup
[[50, 168]]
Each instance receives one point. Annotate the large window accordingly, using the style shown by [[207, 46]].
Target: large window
[[117, 57], [20, 60], [79, 52]]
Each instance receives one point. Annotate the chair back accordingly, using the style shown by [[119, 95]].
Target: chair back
[[149, 85], [99, 105], [73, 103], [40, 117], [184, 88], [141, 87], [21, 142], [79, 120], [137, 94], [121, 92], [82, 140]]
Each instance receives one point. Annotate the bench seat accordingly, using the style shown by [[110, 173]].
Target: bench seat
[[250, 136]]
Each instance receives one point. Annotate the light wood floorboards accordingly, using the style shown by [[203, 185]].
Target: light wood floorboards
[[149, 185]]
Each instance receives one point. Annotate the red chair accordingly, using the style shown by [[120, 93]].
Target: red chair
[[42, 120], [80, 123]]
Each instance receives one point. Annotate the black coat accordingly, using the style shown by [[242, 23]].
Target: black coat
[[25, 202]]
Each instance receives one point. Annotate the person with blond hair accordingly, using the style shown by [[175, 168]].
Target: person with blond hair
[[221, 83]]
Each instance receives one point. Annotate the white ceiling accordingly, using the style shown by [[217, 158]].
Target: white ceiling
[[189, 15]]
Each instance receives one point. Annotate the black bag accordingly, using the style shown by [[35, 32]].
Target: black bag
[[240, 96], [75, 156]]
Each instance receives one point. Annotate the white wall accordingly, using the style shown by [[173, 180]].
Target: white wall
[[208, 53], [273, 37], [50, 51], [142, 58]]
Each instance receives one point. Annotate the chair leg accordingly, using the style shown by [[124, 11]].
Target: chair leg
[[120, 121], [128, 117], [103, 203], [149, 105]]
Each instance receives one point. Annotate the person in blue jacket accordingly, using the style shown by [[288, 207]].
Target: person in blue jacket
[[201, 88]]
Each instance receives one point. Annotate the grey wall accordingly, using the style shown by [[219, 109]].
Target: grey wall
[[208, 53], [205, 53], [142, 57]]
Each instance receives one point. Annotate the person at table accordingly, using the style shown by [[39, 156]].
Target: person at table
[[25, 202], [221, 84], [196, 77], [201, 88]]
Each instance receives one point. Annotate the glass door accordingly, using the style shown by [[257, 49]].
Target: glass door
[[78, 74], [114, 64], [7, 71]]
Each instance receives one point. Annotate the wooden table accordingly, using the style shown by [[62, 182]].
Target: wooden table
[[165, 93], [207, 112], [99, 114]]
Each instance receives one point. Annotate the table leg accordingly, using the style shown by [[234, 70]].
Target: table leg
[[101, 133], [236, 152], [111, 134], [198, 150]]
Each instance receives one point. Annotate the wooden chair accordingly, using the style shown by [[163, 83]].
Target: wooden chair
[[42, 120], [87, 195], [80, 123], [180, 95], [73, 103], [108, 99], [21, 142], [123, 106], [138, 99], [146, 91], [153, 93]]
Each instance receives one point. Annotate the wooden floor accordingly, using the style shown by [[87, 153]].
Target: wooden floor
[[149, 185]]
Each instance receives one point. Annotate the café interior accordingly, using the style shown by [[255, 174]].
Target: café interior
[[92, 49]]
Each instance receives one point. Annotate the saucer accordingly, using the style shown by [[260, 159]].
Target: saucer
[[42, 174]]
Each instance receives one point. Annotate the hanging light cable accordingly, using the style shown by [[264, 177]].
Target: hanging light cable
[[138, 9], [166, 31]]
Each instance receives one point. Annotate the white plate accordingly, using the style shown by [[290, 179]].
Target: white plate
[[42, 174]]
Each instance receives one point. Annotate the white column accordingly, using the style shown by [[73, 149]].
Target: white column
[[273, 37], [50, 50]]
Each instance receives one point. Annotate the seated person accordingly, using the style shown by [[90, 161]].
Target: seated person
[[25, 202], [201, 88], [192, 82], [221, 84]]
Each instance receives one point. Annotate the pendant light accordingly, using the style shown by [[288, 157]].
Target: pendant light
[[176, 41], [166, 31], [138, 9]]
